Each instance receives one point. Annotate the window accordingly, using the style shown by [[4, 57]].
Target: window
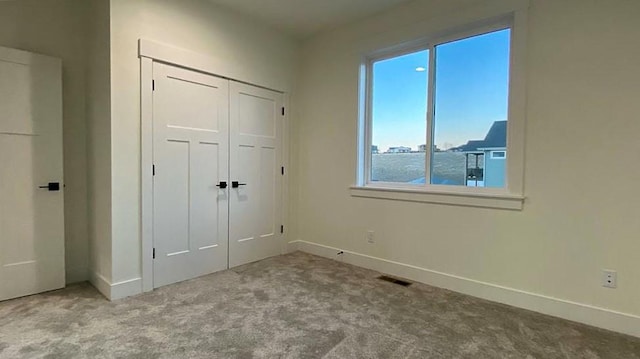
[[437, 117], [498, 155], [465, 83]]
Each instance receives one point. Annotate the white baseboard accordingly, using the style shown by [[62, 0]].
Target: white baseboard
[[119, 290], [578, 312], [100, 283], [126, 288], [76, 275]]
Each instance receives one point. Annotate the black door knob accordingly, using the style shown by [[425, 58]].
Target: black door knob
[[236, 184], [222, 185]]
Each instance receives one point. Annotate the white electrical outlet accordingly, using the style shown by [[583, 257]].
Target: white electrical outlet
[[371, 239], [609, 278]]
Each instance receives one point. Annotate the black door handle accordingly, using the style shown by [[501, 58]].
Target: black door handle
[[222, 185], [52, 186], [236, 184]]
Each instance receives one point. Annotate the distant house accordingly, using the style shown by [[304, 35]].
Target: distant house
[[374, 149], [422, 148], [400, 149], [491, 153]]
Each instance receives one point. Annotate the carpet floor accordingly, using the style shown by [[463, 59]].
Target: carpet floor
[[292, 306]]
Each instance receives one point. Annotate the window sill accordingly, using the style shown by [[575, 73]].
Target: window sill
[[448, 197]]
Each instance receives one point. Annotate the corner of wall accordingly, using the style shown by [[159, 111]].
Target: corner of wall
[[100, 283], [98, 113], [115, 291], [77, 275]]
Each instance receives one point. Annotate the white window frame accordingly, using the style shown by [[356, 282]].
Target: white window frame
[[509, 197], [503, 157]]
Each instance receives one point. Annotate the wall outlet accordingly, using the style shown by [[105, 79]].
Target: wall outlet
[[609, 278], [371, 238]]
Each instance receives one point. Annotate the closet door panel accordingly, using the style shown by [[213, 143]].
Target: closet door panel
[[255, 161], [191, 160]]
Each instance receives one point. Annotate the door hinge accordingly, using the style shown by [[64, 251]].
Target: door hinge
[[154, 253], [282, 170], [282, 229], [283, 111], [153, 170], [153, 85]]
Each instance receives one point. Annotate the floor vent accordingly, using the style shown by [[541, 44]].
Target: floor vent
[[394, 280]]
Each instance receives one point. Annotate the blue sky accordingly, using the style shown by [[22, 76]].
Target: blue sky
[[471, 93]]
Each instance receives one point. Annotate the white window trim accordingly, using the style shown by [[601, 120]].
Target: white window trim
[[494, 157], [509, 197]]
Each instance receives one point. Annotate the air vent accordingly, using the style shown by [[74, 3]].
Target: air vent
[[394, 280]]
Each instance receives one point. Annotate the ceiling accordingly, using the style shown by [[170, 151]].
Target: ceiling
[[303, 18]]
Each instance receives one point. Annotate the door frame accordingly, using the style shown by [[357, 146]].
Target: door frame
[[150, 52]]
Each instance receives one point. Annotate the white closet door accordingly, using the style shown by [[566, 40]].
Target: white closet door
[[31, 218], [191, 159], [255, 164]]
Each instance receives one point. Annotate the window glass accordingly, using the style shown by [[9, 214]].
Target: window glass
[[470, 110], [398, 118]]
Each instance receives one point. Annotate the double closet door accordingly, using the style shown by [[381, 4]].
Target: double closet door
[[217, 184]]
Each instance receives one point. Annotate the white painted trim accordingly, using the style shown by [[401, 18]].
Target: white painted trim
[[583, 313], [114, 291], [286, 140], [363, 143], [100, 283], [28, 58], [517, 115], [211, 65], [494, 157], [454, 198], [76, 275], [146, 175], [126, 288], [430, 118]]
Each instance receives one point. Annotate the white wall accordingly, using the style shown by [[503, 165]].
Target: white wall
[[58, 28], [195, 25], [581, 211], [99, 143]]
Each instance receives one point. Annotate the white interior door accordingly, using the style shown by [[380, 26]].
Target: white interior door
[[256, 160], [191, 159], [31, 218]]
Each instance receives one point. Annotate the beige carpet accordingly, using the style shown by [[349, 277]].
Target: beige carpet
[[292, 306]]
